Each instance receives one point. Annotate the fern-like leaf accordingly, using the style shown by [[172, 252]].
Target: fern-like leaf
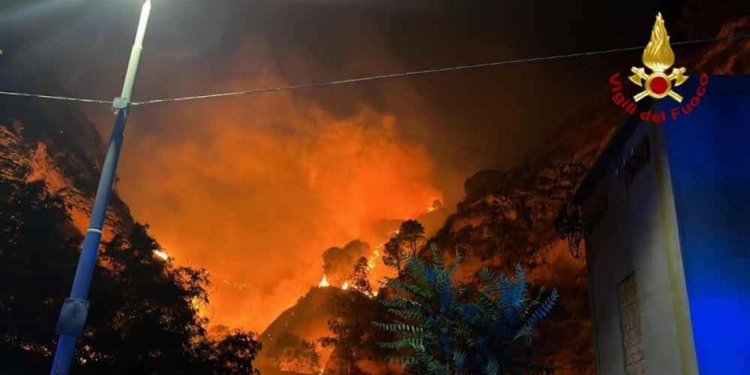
[[543, 310]]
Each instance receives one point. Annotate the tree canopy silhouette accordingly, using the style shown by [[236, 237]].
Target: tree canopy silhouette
[[405, 242], [360, 278], [354, 339], [143, 319], [294, 353]]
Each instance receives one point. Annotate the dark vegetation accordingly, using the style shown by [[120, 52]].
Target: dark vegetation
[[425, 322], [143, 319], [444, 327], [406, 241], [294, 354], [353, 338]]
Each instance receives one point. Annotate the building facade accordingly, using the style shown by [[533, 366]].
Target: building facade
[[666, 213]]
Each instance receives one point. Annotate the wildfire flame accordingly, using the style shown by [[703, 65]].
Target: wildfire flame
[[200, 307], [345, 286], [324, 282], [161, 254], [373, 261], [658, 55]]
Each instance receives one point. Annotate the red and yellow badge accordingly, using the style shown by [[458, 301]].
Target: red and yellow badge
[[658, 57]]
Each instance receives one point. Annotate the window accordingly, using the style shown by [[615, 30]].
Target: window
[[630, 320], [638, 158]]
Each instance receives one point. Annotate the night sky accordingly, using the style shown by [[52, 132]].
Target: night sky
[[228, 182]]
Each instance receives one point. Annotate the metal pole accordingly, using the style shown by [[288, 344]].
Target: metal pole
[[75, 309]]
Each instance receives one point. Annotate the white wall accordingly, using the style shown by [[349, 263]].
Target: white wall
[[634, 235]]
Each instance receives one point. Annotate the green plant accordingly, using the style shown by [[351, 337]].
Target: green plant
[[446, 329]]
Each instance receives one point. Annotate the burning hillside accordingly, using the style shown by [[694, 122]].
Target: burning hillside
[[309, 180], [60, 150], [508, 217]]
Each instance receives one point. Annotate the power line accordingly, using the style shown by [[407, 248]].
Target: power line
[[423, 72], [378, 77], [67, 98]]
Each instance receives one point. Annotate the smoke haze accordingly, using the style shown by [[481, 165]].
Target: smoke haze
[[255, 188]]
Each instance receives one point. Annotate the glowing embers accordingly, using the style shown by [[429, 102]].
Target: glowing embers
[[162, 255], [373, 261]]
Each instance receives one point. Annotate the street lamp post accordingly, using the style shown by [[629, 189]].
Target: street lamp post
[[75, 308]]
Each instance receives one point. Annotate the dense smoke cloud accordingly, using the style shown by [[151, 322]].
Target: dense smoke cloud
[[255, 189]]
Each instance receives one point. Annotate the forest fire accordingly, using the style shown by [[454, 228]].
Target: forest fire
[[200, 307], [345, 286], [333, 177], [162, 255], [373, 261], [324, 282]]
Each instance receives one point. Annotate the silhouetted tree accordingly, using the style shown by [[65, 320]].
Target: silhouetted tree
[[294, 353], [142, 318], [406, 240], [338, 262], [393, 255], [411, 231], [37, 258], [234, 355], [360, 278], [353, 336]]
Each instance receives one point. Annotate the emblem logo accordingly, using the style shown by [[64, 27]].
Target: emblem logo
[[658, 57]]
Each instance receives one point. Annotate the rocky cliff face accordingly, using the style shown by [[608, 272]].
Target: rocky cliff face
[[729, 56], [51, 142], [508, 217]]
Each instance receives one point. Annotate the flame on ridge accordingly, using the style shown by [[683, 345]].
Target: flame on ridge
[[324, 282], [161, 254]]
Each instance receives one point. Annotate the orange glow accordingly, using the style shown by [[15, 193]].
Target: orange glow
[[161, 254], [323, 283], [373, 261], [345, 286], [255, 189], [200, 307]]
